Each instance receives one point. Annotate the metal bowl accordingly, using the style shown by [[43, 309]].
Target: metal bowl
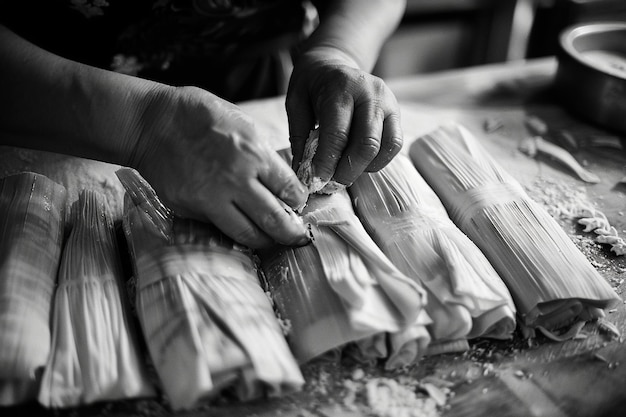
[[591, 75]]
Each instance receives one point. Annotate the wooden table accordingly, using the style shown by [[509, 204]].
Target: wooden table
[[535, 377]]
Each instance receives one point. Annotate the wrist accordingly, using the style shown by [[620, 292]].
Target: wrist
[[147, 124], [328, 54]]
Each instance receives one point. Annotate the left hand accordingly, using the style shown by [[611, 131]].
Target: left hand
[[358, 116]]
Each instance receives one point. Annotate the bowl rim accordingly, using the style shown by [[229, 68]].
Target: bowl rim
[[569, 34]]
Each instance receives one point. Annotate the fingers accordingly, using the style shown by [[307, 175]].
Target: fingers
[[301, 122], [265, 219], [364, 136], [335, 118], [280, 180], [234, 223], [364, 142], [391, 143]]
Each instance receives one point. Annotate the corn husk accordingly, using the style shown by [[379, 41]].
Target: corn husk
[[208, 324], [342, 288], [31, 237], [95, 355], [551, 281], [404, 216]]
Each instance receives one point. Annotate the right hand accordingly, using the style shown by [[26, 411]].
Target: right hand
[[206, 160]]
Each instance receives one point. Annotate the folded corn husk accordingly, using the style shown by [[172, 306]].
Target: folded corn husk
[[207, 322], [404, 216], [31, 236], [95, 356], [552, 283], [342, 288]]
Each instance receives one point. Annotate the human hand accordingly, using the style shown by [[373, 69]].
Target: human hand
[[358, 116], [206, 160]]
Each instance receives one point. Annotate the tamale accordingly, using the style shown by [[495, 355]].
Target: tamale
[[32, 224], [95, 355], [208, 324], [404, 216], [341, 288], [552, 283]]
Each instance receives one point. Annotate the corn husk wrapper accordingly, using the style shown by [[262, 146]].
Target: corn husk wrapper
[[95, 354], [404, 216], [32, 223], [207, 322], [551, 281], [340, 289]]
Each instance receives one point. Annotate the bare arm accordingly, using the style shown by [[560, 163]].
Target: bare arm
[[202, 154], [59, 105], [358, 28]]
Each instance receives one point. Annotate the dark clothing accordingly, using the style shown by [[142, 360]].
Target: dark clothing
[[237, 49]]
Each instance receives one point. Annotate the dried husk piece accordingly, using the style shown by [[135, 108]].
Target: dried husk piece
[[341, 288], [95, 353], [551, 281], [208, 324], [404, 216], [32, 224]]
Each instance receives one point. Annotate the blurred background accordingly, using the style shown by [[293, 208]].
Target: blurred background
[[437, 35]]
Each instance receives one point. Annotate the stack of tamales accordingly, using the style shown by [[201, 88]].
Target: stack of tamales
[[95, 356], [31, 236], [552, 283], [404, 216], [207, 322], [342, 290]]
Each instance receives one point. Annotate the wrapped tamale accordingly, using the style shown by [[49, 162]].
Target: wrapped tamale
[[341, 288], [32, 223], [95, 355], [208, 324], [406, 219], [552, 283]]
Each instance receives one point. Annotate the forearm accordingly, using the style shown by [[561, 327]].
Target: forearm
[[54, 104], [357, 28]]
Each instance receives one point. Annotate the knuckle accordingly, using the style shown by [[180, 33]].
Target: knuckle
[[337, 137], [378, 86], [394, 145], [368, 148]]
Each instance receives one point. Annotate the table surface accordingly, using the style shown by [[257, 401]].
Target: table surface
[[535, 377]]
